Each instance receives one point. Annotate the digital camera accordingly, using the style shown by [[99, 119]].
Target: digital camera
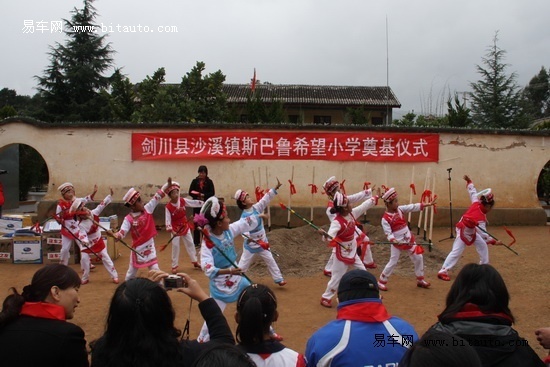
[[174, 281]]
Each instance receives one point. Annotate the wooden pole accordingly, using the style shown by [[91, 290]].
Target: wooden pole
[[432, 212], [290, 197], [411, 198], [268, 206], [311, 206]]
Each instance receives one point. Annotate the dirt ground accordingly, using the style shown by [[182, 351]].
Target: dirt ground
[[302, 258]]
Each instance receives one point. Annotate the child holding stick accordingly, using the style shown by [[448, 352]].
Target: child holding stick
[[176, 223], [395, 227], [141, 224], [256, 243]]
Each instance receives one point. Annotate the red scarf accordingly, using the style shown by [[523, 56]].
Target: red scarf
[[369, 311], [472, 311], [43, 310]]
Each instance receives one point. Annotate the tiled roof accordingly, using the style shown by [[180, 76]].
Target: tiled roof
[[314, 94]]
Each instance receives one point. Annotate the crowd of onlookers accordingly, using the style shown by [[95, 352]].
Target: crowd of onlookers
[[475, 327]]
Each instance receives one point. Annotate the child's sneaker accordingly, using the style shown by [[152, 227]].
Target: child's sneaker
[[326, 303], [115, 280], [196, 265], [174, 269], [444, 276], [371, 265], [282, 283], [327, 273], [276, 337], [84, 281]]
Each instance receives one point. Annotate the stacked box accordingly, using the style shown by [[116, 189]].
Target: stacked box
[[51, 248], [27, 250], [6, 250], [11, 223]]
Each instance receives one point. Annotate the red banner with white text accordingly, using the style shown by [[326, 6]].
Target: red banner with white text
[[330, 146]]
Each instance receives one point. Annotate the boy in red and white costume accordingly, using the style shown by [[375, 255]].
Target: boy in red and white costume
[[90, 240], [467, 233], [177, 224], [343, 239], [331, 187], [397, 231], [141, 224], [68, 222]]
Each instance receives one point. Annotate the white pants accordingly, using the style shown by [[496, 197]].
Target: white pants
[[187, 240], [338, 270], [64, 254], [204, 336], [105, 258], [328, 266], [458, 249], [368, 259], [248, 257], [132, 271], [418, 261]]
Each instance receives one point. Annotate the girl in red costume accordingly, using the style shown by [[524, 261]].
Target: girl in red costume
[[467, 233]]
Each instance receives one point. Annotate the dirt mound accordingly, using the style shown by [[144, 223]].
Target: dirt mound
[[302, 253]]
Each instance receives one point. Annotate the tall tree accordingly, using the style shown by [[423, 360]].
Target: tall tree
[[537, 95], [122, 97], [203, 97], [496, 98], [71, 85]]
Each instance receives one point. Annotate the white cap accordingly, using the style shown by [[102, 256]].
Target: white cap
[[389, 195], [131, 197], [240, 195], [331, 186], [64, 187]]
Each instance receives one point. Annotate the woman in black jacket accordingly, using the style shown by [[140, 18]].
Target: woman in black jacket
[[140, 329], [33, 327], [201, 188], [477, 310]]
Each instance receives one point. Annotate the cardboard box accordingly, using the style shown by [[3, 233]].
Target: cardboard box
[[11, 223], [51, 248], [109, 222], [6, 250], [27, 250]]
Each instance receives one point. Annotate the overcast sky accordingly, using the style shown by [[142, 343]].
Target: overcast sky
[[433, 45]]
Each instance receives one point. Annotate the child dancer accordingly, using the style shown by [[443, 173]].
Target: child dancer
[[260, 248], [68, 221], [331, 187], [466, 229], [218, 255], [342, 232], [395, 227], [90, 240], [141, 224], [176, 223]]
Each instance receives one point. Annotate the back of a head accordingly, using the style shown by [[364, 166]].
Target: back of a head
[[358, 284], [140, 325], [438, 348], [221, 355], [256, 310], [481, 285]]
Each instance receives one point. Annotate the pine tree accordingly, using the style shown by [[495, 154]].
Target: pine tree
[[72, 84], [496, 99], [537, 95]]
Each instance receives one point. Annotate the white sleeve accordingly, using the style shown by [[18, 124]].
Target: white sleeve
[[167, 217], [362, 209], [98, 209], [334, 228], [387, 230], [472, 192], [243, 225], [360, 196], [192, 203], [265, 200]]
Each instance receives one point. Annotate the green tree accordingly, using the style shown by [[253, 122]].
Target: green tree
[[458, 115], [7, 111], [357, 116], [203, 99], [407, 120], [122, 98], [71, 85], [158, 102], [496, 98], [537, 95]]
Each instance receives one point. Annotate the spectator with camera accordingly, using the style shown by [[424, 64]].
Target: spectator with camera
[[140, 327]]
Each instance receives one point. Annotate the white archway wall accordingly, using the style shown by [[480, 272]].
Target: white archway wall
[[509, 164]]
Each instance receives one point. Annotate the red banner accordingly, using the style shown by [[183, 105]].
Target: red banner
[[330, 146]]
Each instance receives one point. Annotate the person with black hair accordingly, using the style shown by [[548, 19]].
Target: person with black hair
[[256, 243], [364, 333], [438, 348], [477, 309], [201, 188], [140, 329], [256, 312], [467, 232], [33, 326], [222, 355]]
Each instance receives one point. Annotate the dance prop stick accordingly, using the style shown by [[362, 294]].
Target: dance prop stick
[[290, 196], [177, 234], [269, 205], [422, 211], [80, 241], [508, 246], [110, 233], [413, 191], [207, 235], [432, 213], [313, 191], [290, 210]]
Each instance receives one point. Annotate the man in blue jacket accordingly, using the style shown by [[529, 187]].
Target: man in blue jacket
[[364, 333]]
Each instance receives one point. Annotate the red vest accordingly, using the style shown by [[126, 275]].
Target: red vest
[[179, 218], [142, 228]]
